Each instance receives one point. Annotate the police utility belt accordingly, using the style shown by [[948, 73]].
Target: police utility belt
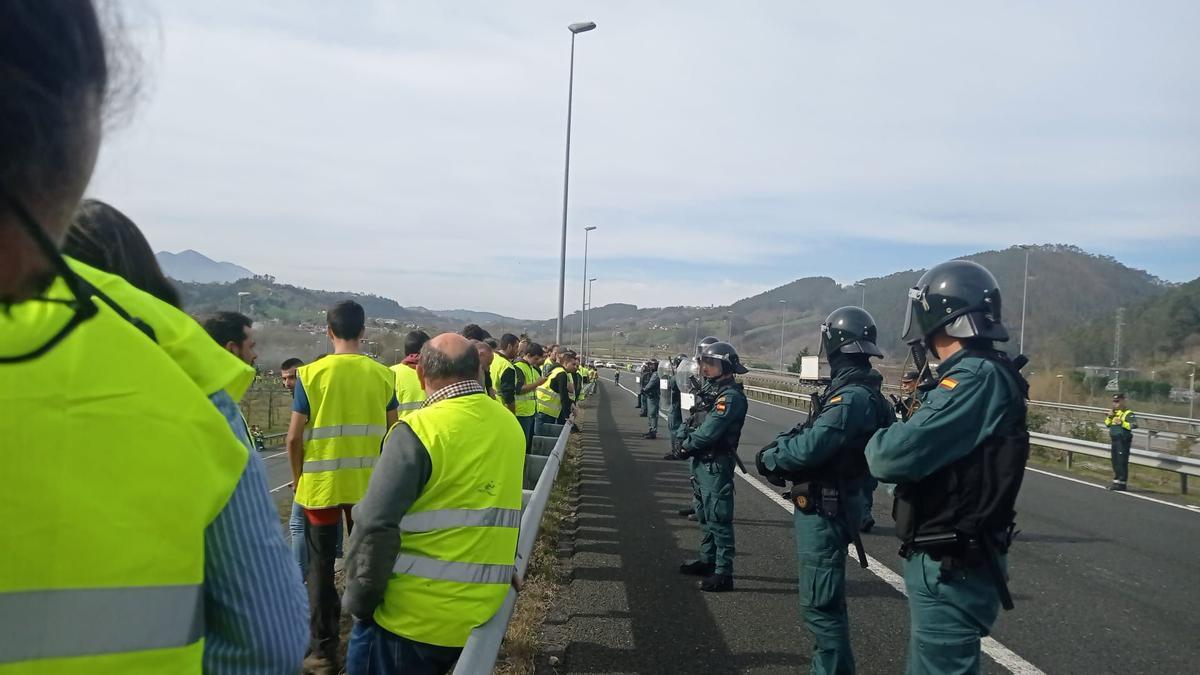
[[957, 552], [823, 497]]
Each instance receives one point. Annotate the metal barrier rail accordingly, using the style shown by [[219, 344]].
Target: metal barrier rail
[[483, 646], [1184, 466]]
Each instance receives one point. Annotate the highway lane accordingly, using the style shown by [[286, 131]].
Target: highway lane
[[1103, 582]]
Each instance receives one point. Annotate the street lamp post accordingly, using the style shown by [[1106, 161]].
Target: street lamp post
[[863, 304], [782, 318], [696, 334], [1192, 392], [587, 324], [729, 326], [241, 294], [575, 28], [1024, 296], [582, 325], [1060, 385], [397, 355]]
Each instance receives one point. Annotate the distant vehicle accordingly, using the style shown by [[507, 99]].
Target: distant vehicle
[[610, 364]]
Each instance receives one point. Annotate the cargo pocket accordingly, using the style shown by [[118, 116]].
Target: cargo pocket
[[722, 509], [820, 583]]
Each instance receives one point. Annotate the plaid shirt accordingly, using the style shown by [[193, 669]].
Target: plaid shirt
[[455, 390]]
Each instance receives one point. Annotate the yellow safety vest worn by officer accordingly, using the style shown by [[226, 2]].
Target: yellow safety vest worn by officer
[[348, 396], [1119, 418], [458, 541], [104, 428], [409, 391], [527, 402], [549, 402], [499, 365], [207, 363]]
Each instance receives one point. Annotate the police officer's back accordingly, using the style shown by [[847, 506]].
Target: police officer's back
[[958, 464]]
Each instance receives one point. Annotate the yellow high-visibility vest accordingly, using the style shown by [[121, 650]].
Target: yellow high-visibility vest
[[106, 426], [459, 539], [1119, 418], [409, 391], [527, 402], [348, 396], [548, 401], [498, 367]]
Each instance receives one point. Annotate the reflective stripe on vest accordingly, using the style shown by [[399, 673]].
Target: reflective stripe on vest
[[549, 402], [348, 395], [447, 570], [340, 430], [409, 392], [428, 521], [1119, 418], [527, 402], [458, 540], [125, 595], [133, 619]]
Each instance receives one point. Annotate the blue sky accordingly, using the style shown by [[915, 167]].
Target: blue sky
[[415, 149]]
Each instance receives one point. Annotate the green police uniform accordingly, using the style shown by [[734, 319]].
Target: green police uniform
[[957, 463], [824, 457], [1120, 423], [712, 443]]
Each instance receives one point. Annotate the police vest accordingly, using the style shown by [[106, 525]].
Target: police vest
[[497, 369], [1119, 419], [348, 396], [207, 363], [851, 461], [549, 402], [458, 540], [409, 391], [975, 495], [106, 428], [527, 402]]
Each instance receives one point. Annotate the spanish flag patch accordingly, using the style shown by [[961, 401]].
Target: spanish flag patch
[[720, 406], [949, 382], [835, 399]]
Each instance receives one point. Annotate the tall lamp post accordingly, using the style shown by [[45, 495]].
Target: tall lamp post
[[729, 325], [696, 334], [782, 318], [1192, 392], [587, 324], [863, 304], [576, 29], [1024, 296], [241, 294], [586, 231]]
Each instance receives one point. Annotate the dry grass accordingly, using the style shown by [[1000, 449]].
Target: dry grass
[[544, 577]]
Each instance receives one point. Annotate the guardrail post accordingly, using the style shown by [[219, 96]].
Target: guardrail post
[[1183, 484], [1150, 440], [1070, 455]]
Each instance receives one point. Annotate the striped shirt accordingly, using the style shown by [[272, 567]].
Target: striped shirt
[[255, 607]]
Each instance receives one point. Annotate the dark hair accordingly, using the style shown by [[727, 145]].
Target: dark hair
[[472, 331], [106, 239], [54, 77], [438, 365], [491, 342], [507, 340], [532, 349], [414, 341], [567, 355], [226, 327], [347, 320], [291, 363]]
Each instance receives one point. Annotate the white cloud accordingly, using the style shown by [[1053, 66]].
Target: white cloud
[[374, 145]]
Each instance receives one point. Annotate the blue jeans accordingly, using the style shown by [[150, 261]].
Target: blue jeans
[[377, 651], [299, 546], [527, 426]]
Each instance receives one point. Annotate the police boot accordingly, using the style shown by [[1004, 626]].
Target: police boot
[[716, 583], [642, 414], [689, 511], [650, 434], [1117, 486], [697, 568]]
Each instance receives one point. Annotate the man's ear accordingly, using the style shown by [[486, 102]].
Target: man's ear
[[329, 332], [234, 348], [421, 375]]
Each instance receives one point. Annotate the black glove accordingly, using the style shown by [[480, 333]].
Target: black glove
[[772, 478], [897, 404]]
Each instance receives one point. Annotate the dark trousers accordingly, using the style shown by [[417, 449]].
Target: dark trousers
[[652, 412], [377, 651], [527, 426], [1120, 457], [325, 606]]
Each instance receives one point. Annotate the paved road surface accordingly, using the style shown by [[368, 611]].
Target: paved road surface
[[1103, 582]]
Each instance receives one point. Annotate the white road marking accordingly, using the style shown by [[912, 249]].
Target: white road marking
[[278, 454], [1185, 507], [287, 484], [999, 653], [1002, 655]]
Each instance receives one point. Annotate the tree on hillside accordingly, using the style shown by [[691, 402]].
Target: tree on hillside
[[795, 366]]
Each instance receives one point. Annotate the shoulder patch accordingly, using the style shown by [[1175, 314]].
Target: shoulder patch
[[835, 399], [948, 383]]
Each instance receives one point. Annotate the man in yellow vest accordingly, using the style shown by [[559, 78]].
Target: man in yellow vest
[[529, 379], [409, 393], [433, 551], [343, 406], [555, 397], [504, 374], [1120, 423]]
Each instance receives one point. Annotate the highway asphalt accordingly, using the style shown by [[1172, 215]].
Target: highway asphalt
[[1103, 582]]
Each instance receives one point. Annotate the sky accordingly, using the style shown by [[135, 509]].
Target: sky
[[416, 150]]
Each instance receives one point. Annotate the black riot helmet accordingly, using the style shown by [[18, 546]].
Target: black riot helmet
[[678, 359], [849, 330], [727, 355], [704, 343], [961, 297]]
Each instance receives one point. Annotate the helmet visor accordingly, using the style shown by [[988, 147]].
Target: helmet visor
[[913, 331]]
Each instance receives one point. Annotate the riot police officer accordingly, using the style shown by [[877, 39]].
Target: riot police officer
[[674, 400], [958, 463], [711, 440], [824, 460], [687, 378]]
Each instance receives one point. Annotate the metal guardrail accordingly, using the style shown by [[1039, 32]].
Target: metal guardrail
[[1184, 466], [541, 467]]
